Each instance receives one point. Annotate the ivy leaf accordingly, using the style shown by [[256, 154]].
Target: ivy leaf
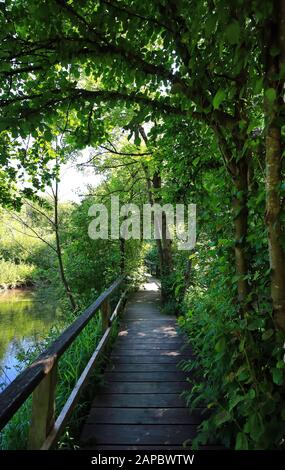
[[218, 98], [277, 376], [251, 394], [241, 441], [235, 401], [270, 94], [222, 417], [255, 324], [233, 32], [243, 374], [254, 426], [267, 334], [258, 86]]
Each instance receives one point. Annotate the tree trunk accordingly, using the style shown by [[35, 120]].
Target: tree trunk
[[273, 104], [163, 243], [122, 254], [58, 251], [241, 228], [238, 170]]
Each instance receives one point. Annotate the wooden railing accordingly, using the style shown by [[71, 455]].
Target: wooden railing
[[152, 267], [41, 376]]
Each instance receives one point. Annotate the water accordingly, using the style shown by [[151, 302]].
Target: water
[[25, 319]]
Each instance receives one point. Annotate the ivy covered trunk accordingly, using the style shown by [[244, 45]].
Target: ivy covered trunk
[[274, 106], [163, 243], [240, 213], [237, 165], [164, 246]]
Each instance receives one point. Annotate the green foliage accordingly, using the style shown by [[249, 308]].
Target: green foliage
[[196, 75], [234, 367], [239, 369], [14, 275]]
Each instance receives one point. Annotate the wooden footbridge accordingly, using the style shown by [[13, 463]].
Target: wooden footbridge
[[139, 406]]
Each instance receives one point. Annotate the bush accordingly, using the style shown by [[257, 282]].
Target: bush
[[238, 370], [14, 275]]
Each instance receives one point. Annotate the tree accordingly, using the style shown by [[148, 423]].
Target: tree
[[77, 58]]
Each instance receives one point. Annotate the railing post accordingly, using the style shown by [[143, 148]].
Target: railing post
[[105, 314], [43, 410]]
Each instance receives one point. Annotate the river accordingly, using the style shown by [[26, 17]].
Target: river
[[25, 319]]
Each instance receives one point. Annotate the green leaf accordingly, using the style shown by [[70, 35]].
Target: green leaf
[[277, 376], [210, 24], [241, 441], [176, 88], [258, 86], [233, 32], [251, 394], [220, 345], [222, 417], [218, 98], [254, 426], [255, 324], [235, 401], [243, 374], [270, 94], [267, 334]]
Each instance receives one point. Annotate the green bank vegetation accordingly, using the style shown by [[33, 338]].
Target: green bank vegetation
[[180, 101]]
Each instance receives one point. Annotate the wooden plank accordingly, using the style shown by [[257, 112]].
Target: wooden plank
[[142, 367], [140, 337], [146, 387], [169, 376], [143, 326], [119, 306], [173, 352], [43, 410], [160, 323], [140, 405], [149, 359], [133, 434], [150, 317], [148, 332], [105, 315], [145, 416], [150, 400], [152, 341], [149, 346]]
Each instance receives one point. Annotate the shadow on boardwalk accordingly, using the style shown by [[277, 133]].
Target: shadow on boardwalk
[[140, 406]]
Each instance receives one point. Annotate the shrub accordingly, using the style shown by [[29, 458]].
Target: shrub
[[14, 275], [238, 370]]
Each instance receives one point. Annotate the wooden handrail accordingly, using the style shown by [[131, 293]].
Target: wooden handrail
[[27, 381], [152, 266]]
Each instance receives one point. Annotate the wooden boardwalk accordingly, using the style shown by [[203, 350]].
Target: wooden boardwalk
[[139, 406]]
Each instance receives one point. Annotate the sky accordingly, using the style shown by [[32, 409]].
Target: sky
[[73, 182]]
